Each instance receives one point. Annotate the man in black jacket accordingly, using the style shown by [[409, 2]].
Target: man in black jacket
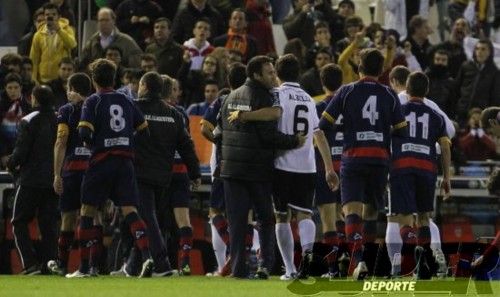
[[441, 84], [248, 152], [33, 159], [154, 159]]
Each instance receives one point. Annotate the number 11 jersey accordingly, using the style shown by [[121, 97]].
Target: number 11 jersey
[[298, 116], [369, 110]]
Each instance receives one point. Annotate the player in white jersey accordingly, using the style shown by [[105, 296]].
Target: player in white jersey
[[394, 240], [295, 170]]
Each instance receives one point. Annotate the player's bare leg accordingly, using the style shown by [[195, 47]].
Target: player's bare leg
[[186, 238]]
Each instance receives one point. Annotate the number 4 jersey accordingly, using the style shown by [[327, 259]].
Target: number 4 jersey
[[298, 116], [113, 120], [369, 111]]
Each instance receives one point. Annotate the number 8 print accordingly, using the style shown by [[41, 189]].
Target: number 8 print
[[117, 122]]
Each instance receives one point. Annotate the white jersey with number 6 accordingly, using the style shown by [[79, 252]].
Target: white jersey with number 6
[[298, 116]]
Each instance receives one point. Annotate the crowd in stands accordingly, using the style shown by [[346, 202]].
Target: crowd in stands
[[197, 42]]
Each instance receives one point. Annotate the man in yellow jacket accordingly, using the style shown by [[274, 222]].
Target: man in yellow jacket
[[52, 42]]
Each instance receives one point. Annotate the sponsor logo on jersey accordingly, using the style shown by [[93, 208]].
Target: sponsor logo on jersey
[[369, 136], [417, 148], [82, 151], [109, 142]]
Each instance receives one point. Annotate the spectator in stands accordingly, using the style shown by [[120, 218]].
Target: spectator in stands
[[114, 53], [197, 48], [149, 63], [418, 36], [441, 85], [26, 76], [301, 23], [136, 18], [32, 160], [346, 9], [65, 11], [193, 81], [259, 25], [322, 39], [60, 84], [454, 46], [352, 26], [131, 89], [476, 144], [235, 56], [168, 53], [13, 107], [186, 18], [237, 38], [223, 61], [310, 80], [51, 43], [211, 91], [108, 35], [24, 44], [477, 82], [296, 47], [10, 63]]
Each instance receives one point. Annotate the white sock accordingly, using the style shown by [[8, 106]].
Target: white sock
[[435, 236], [256, 242], [307, 233], [393, 241], [284, 237], [219, 247]]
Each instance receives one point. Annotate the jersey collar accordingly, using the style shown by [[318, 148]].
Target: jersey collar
[[368, 79], [290, 84]]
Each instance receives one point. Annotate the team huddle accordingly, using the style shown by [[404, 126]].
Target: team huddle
[[276, 155]]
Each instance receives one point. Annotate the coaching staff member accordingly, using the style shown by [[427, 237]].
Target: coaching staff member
[[154, 159], [33, 158], [247, 165]]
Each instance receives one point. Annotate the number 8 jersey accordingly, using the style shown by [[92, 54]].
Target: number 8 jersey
[[298, 116], [113, 119], [369, 110]]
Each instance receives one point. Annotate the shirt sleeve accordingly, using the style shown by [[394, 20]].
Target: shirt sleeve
[[88, 114], [398, 120], [333, 110], [276, 102], [139, 121]]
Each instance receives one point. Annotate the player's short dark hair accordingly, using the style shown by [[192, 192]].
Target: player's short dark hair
[[372, 62], [154, 83], [103, 72], [331, 76], [164, 19], [114, 48], [66, 60], [149, 58], [288, 68], [416, 22], [11, 59], [80, 82], [49, 6], [347, 2], [237, 75], [44, 95], [417, 84], [12, 77], [168, 83], [399, 74], [255, 65]]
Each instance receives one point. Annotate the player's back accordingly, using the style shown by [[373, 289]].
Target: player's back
[[298, 116], [334, 136], [417, 152], [114, 119], [369, 110]]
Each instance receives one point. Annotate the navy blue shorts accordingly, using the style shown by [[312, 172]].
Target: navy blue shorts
[[217, 194], [112, 178], [366, 184], [178, 193], [323, 194], [293, 190], [70, 199], [411, 193]]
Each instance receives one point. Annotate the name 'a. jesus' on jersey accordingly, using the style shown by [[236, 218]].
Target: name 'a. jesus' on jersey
[[369, 111], [298, 116], [417, 152]]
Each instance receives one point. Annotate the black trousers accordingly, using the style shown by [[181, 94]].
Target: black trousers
[[149, 194], [31, 202], [240, 197]]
